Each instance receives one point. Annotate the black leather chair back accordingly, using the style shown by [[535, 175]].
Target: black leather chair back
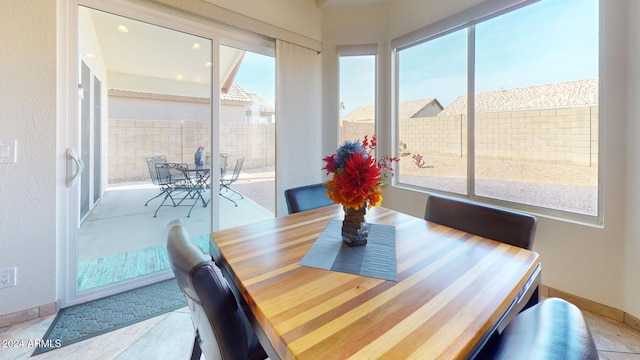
[[306, 198], [509, 227], [222, 329]]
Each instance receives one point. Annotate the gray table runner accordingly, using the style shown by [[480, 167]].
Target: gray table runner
[[375, 259]]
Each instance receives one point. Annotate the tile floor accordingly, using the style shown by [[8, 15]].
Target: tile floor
[[169, 336]]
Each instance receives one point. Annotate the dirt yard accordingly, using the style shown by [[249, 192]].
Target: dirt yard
[[506, 170], [561, 187]]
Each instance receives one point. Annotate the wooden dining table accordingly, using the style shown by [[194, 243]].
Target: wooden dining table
[[453, 289]]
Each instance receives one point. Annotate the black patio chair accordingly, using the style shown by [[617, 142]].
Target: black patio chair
[[226, 182], [223, 164], [171, 179], [153, 174]]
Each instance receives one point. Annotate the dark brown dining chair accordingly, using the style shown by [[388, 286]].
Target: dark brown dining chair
[[509, 227], [554, 329], [306, 198], [222, 330]]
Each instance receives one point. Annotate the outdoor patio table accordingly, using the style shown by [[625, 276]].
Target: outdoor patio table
[[198, 178]]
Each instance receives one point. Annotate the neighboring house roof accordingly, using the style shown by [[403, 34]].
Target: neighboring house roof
[[363, 113], [408, 109], [235, 93], [555, 95], [265, 107], [412, 108]]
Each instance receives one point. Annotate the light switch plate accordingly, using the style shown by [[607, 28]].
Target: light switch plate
[[8, 149]]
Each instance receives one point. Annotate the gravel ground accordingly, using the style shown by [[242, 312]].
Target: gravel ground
[[563, 187]]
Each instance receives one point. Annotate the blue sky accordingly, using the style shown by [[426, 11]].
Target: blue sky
[[549, 41], [257, 75], [357, 82]]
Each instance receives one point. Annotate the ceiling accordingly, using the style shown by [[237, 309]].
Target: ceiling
[[134, 47], [347, 3], [137, 50]]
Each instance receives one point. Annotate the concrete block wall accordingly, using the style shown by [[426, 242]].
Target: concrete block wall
[[256, 142], [132, 141], [353, 131], [194, 135], [438, 134], [559, 136]]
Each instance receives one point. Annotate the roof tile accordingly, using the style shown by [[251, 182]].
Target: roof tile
[[555, 95]]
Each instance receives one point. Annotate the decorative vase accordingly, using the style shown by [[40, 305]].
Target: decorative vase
[[354, 227]]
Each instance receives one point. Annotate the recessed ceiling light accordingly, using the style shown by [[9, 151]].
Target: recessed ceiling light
[[208, 64], [197, 79], [90, 55], [195, 46], [123, 29], [179, 77]]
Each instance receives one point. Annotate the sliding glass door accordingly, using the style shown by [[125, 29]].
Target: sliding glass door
[[142, 104], [247, 134], [156, 91]]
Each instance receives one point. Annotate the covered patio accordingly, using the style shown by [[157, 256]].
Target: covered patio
[[111, 251]]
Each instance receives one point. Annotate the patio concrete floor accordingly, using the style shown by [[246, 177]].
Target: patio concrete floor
[[122, 223]]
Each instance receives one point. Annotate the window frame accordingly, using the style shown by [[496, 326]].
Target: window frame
[[468, 19]]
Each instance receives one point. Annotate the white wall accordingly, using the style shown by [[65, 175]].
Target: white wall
[[632, 243], [235, 113], [597, 263], [28, 187]]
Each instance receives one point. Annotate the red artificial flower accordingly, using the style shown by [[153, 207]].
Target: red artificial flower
[[358, 181], [331, 164], [361, 174], [353, 186]]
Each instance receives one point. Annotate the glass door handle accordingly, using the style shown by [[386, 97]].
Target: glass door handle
[[79, 166]]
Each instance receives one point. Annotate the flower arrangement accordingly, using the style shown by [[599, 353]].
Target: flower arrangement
[[358, 177]]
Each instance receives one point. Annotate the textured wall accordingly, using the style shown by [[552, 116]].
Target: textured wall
[[28, 187], [632, 212]]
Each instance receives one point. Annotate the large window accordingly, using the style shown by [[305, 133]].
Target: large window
[[530, 135], [357, 91], [433, 147]]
